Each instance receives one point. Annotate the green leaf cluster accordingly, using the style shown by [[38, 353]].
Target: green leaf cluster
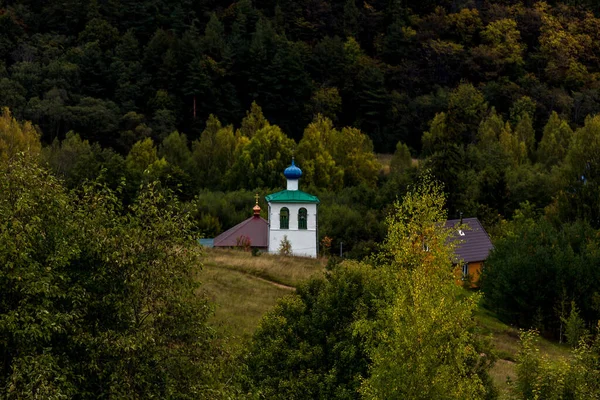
[[541, 378], [536, 267], [97, 300]]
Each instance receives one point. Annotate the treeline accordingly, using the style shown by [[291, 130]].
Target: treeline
[[119, 71], [490, 166], [224, 158], [218, 174]]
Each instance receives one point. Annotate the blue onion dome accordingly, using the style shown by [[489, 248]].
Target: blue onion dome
[[292, 172]]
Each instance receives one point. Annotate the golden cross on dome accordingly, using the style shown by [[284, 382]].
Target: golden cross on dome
[[256, 197]]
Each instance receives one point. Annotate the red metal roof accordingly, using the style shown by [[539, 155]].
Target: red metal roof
[[255, 228]]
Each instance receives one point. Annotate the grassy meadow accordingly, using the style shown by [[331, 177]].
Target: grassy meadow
[[505, 340], [243, 288], [288, 271]]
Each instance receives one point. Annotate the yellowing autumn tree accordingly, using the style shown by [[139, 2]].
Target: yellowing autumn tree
[[423, 346], [17, 137]]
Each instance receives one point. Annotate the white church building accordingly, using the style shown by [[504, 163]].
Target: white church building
[[293, 213]]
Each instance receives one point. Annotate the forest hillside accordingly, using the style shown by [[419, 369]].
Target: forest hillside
[[116, 71], [130, 129]]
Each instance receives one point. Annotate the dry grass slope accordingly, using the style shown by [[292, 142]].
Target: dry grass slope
[[289, 271], [240, 302], [505, 340], [243, 288]]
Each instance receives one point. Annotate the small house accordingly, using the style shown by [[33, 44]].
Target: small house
[[473, 245]]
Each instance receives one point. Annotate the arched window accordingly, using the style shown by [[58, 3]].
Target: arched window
[[284, 218], [302, 218]]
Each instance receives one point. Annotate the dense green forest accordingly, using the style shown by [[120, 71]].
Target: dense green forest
[[118, 70], [126, 121], [488, 93]]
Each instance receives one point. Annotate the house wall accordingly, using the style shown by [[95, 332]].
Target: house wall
[[475, 269], [475, 272], [304, 241]]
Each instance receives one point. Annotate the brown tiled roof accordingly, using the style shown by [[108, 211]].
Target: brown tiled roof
[[255, 228], [475, 245]]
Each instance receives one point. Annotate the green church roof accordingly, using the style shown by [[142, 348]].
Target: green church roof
[[292, 196]]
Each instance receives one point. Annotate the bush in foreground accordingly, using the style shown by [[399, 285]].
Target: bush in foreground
[[97, 301]]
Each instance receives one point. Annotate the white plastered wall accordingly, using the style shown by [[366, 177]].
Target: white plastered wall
[[304, 241]]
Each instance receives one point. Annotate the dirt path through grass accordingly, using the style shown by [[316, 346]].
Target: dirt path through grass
[[243, 288], [279, 285], [286, 271]]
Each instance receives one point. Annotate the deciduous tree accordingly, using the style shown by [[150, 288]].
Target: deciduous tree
[[98, 301], [17, 137], [555, 141], [423, 345]]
